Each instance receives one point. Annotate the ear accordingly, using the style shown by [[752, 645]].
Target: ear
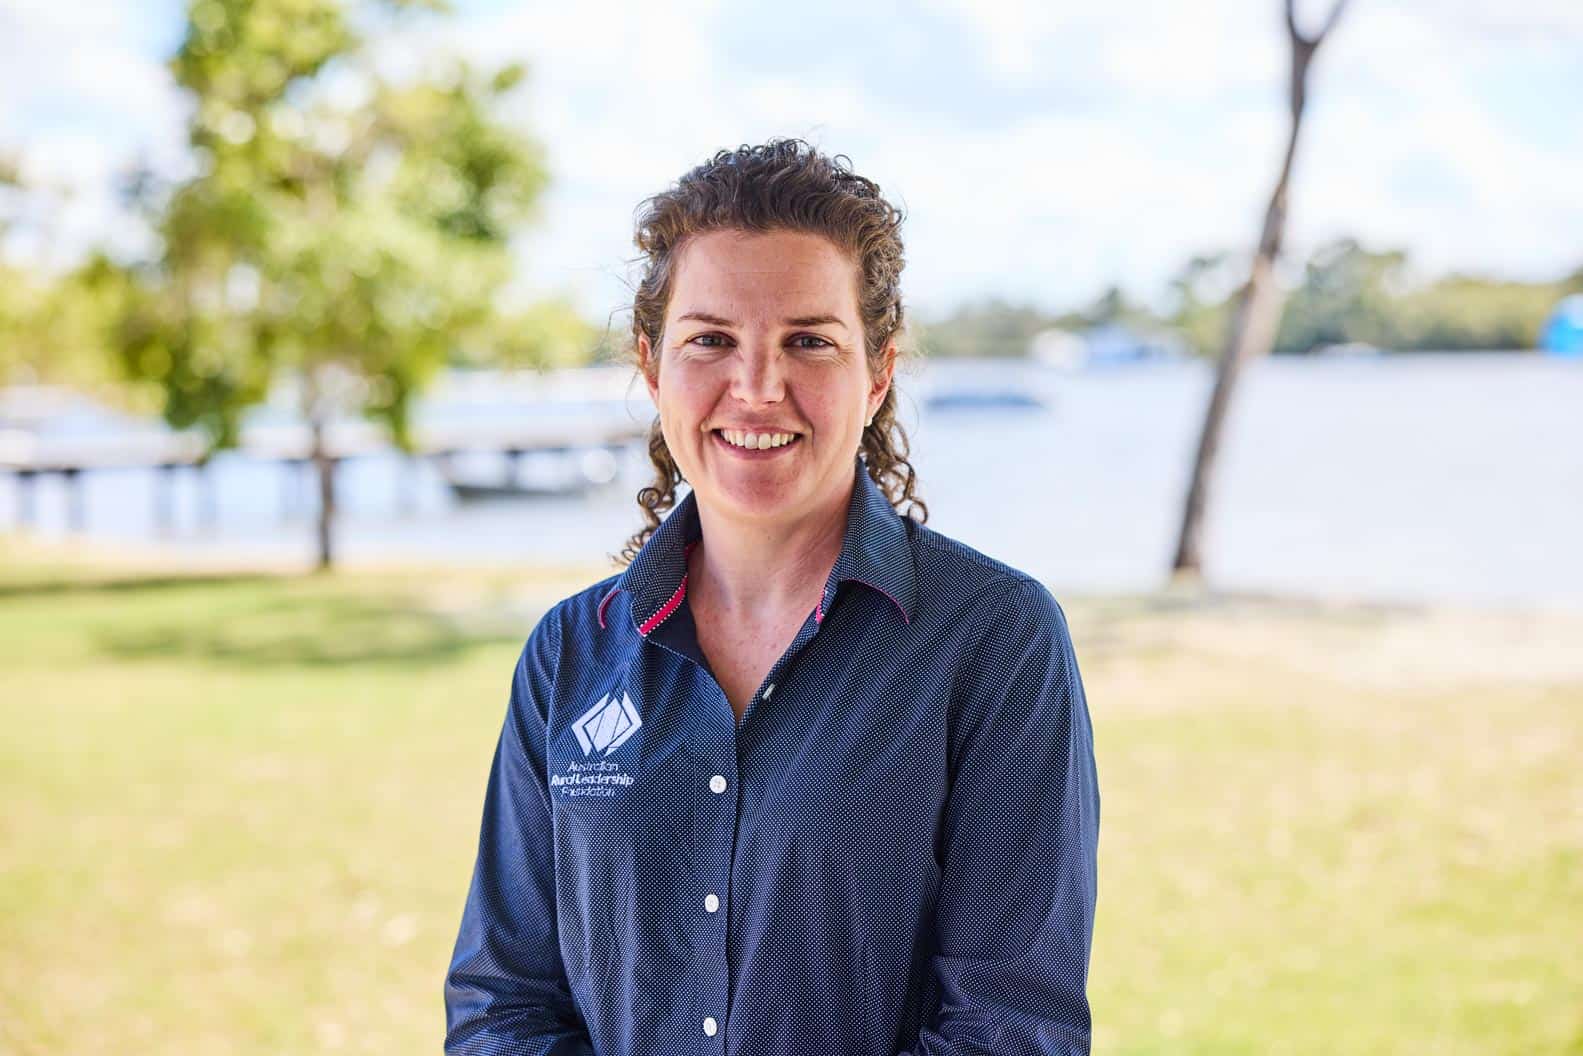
[[881, 383], [649, 367]]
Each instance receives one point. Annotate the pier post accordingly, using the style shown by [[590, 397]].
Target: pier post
[[407, 484], [71, 476], [25, 498], [445, 464], [207, 512], [165, 497], [291, 485]]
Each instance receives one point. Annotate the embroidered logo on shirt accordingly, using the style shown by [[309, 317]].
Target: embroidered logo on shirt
[[607, 725], [600, 730]]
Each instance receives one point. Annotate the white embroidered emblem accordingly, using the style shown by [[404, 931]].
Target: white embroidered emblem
[[607, 725]]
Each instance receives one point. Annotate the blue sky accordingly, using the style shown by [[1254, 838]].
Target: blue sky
[[1041, 150]]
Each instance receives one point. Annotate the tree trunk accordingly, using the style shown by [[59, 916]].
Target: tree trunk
[[1257, 310], [325, 465], [316, 408]]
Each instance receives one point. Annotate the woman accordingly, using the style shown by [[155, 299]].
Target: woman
[[806, 778]]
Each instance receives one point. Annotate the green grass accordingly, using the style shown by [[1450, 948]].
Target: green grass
[[241, 813]]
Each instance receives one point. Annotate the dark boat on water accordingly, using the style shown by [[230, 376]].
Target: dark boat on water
[[562, 475], [984, 399]]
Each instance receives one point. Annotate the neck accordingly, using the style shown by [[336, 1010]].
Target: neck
[[754, 570]]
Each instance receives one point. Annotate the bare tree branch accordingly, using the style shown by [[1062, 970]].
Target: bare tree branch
[[1299, 38], [1256, 311]]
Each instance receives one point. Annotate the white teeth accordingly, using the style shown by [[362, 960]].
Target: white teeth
[[757, 441]]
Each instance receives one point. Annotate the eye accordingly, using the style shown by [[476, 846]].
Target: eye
[[820, 342], [703, 340]]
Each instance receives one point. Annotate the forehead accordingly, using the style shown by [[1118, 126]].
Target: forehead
[[795, 271]]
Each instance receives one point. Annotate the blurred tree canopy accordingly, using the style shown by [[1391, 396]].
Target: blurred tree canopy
[[339, 224], [343, 227], [53, 327], [993, 327], [1350, 293], [335, 218]]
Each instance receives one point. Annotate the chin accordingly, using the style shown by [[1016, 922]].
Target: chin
[[758, 500]]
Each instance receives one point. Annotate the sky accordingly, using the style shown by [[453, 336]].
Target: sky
[[1041, 151]]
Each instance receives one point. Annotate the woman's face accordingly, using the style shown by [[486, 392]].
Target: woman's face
[[762, 337]]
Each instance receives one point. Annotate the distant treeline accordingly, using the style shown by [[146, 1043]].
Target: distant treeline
[[55, 328], [1347, 294]]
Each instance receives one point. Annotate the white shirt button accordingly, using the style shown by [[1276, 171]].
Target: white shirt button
[[711, 902], [710, 1026], [768, 690], [717, 784]]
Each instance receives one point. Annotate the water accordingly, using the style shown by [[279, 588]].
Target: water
[[1412, 478]]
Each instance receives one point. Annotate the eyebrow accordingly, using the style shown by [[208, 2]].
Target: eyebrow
[[797, 320]]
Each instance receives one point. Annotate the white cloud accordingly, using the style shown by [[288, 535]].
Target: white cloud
[[80, 103], [1041, 150]]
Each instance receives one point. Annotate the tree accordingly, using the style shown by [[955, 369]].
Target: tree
[[1351, 293], [1257, 307], [342, 226], [1112, 307], [54, 327], [1200, 313], [1348, 293]]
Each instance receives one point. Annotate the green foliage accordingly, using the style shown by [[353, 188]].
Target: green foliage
[[1352, 294], [46, 322], [1462, 312], [339, 222], [55, 329], [1203, 308], [993, 328], [1348, 293], [1112, 306], [548, 333]]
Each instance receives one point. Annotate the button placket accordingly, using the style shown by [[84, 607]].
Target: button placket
[[714, 833]]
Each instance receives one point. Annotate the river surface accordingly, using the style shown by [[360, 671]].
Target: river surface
[[1398, 478]]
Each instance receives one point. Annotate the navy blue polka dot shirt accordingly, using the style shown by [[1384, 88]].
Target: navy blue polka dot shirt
[[893, 852]]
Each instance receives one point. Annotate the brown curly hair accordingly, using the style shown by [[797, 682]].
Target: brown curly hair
[[784, 184]]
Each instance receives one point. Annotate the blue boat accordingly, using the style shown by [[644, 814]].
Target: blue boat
[[1563, 333]]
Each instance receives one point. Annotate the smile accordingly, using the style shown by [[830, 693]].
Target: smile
[[755, 445]]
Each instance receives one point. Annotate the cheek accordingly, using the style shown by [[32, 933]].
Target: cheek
[[835, 405], [686, 398], [830, 393]]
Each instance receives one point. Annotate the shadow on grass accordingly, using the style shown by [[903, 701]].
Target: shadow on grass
[[24, 589], [332, 631]]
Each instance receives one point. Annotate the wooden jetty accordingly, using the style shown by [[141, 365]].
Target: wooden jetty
[[28, 456]]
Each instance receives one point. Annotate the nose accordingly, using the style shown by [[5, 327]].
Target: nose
[[758, 378]]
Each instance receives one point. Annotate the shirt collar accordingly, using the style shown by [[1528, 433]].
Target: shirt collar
[[875, 551]]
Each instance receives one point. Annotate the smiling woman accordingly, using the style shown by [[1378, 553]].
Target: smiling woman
[[822, 247], [763, 397], [806, 776]]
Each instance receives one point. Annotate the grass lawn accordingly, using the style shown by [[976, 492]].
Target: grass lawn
[[241, 812]]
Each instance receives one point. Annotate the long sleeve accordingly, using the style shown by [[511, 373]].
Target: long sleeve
[[506, 991], [1019, 844]]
